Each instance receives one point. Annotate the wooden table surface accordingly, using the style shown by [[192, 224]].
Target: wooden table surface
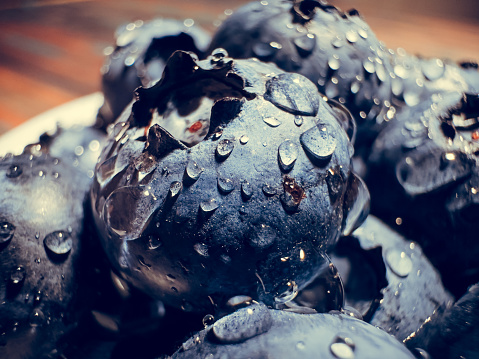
[[51, 51]]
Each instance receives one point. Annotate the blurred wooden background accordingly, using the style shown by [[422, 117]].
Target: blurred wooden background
[[51, 51]]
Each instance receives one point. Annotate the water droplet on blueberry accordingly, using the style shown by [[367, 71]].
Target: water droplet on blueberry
[[271, 121], [225, 185], [287, 154], [14, 171], [343, 347], [208, 320], [399, 262], [7, 230], [58, 242], [318, 143], [209, 205], [246, 190], [224, 148], [17, 275], [193, 170], [293, 93]]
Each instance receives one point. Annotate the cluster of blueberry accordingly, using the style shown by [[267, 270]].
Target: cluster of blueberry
[[217, 209]]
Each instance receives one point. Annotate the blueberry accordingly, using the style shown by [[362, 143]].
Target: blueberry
[[339, 53], [40, 226], [246, 218], [41, 222], [258, 332], [388, 279], [424, 179], [139, 57]]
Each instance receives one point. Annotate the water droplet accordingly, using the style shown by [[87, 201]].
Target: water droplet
[[293, 93], [289, 294], [154, 243], [201, 249], [127, 36], [105, 320], [239, 301], [363, 33], [7, 230], [263, 51], [224, 148], [129, 224], [209, 206], [411, 97], [369, 66], [352, 312], [421, 353], [337, 42], [343, 347], [208, 320], [14, 171], [120, 285], [335, 182], [193, 170], [58, 242], [225, 259], [246, 190], [356, 204], [225, 185], [37, 297], [243, 324], [268, 190], [79, 150], [271, 121], [334, 63], [287, 154], [17, 275], [305, 44], [175, 189], [37, 318], [298, 120], [244, 139], [218, 133], [355, 86], [352, 36], [218, 55], [262, 237], [300, 346], [432, 69], [318, 143], [399, 262]]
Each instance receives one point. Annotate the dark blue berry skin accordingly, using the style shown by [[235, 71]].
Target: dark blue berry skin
[[139, 57], [423, 170], [452, 332], [258, 332], [249, 209], [41, 222]]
